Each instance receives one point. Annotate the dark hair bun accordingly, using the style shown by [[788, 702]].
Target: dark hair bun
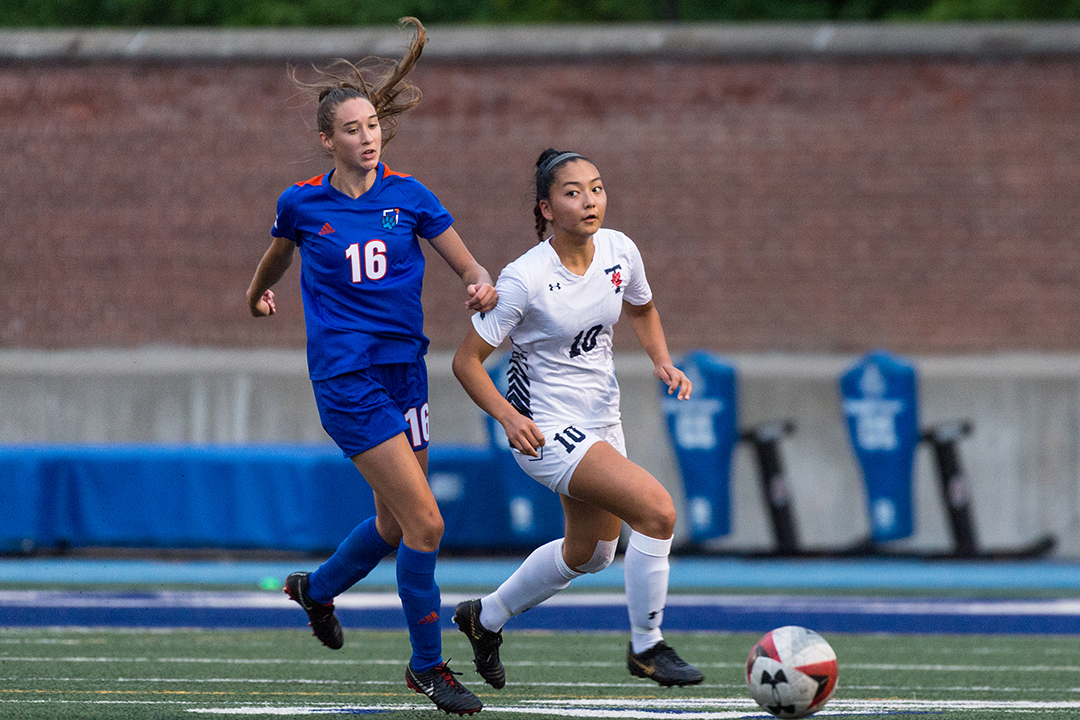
[[547, 154]]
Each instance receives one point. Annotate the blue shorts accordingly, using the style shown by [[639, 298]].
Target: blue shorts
[[363, 409]]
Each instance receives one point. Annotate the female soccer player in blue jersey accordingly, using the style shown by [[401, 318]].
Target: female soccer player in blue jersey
[[558, 304], [357, 229]]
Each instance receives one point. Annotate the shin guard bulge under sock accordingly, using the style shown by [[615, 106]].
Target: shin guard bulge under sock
[[421, 602], [646, 570]]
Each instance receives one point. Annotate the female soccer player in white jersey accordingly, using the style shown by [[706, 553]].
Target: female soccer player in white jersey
[[357, 229], [558, 304]]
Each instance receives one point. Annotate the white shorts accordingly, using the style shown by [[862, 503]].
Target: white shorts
[[563, 449]]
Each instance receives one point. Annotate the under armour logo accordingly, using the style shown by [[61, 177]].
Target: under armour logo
[[555, 286]]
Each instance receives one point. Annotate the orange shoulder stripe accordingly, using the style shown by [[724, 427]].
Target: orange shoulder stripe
[[387, 172], [315, 181]]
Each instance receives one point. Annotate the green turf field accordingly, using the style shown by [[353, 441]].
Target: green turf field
[[109, 674]]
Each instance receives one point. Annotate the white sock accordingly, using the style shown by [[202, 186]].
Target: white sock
[[645, 568], [543, 574]]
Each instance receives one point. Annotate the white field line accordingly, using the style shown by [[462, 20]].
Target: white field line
[[510, 710], [696, 709], [614, 708], [340, 683], [891, 689], [891, 703], [387, 600], [524, 663]]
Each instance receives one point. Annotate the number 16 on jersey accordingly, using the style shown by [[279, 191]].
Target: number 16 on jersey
[[369, 262]]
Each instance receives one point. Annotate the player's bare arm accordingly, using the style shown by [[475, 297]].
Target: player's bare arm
[[482, 294], [468, 367], [275, 261], [645, 320]]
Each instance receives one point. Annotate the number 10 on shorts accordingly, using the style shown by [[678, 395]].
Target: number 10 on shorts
[[569, 438]]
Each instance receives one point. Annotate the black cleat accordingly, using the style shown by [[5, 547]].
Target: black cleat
[[439, 685], [485, 644], [324, 623], [661, 664]]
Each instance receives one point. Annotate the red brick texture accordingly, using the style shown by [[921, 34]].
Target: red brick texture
[[923, 205]]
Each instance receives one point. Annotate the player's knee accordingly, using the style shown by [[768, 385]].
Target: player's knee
[[601, 557], [659, 522], [424, 533]]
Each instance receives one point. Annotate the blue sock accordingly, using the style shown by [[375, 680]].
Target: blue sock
[[355, 557], [421, 601]]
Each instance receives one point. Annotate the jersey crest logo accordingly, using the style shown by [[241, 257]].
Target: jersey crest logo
[[616, 277], [390, 218]]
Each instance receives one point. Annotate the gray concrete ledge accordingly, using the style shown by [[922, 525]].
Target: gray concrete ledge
[[150, 360], [166, 360], [537, 42], [1022, 461]]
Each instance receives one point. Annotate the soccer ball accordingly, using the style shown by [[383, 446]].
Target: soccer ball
[[791, 672]]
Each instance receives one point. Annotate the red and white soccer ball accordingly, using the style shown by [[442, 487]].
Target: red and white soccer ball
[[791, 672]]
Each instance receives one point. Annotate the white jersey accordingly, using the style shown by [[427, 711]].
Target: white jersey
[[560, 327]]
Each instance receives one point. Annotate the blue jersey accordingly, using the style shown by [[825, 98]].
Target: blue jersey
[[362, 268]]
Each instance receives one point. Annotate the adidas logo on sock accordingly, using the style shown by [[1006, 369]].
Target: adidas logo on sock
[[431, 618], [326, 229]]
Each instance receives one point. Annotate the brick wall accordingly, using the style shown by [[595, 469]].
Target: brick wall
[[828, 205]]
